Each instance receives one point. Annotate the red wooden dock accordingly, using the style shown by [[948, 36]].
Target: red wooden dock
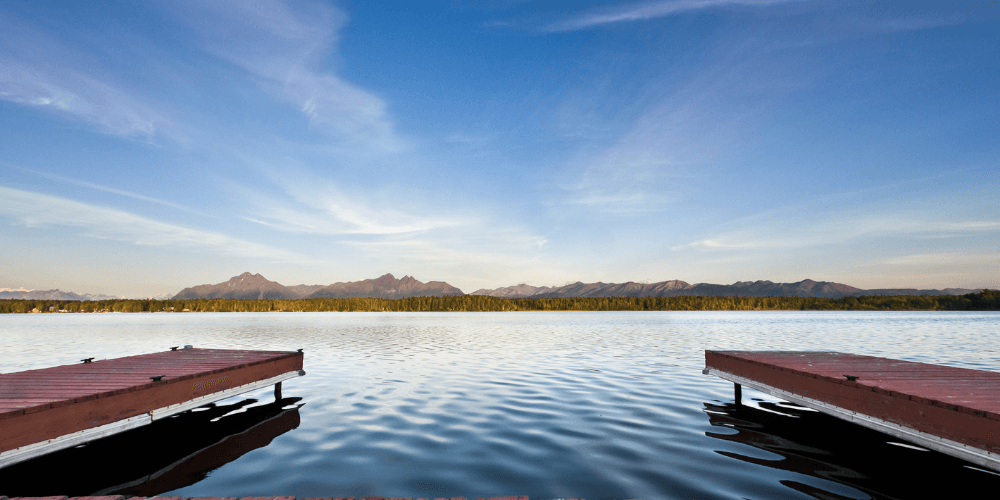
[[952, 410], [45, 410], [120, 497]]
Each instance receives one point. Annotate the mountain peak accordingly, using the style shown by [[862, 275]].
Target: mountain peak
[[386, 287], [245, 286]]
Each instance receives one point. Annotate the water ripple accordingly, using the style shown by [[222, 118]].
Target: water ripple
[[564, 404]]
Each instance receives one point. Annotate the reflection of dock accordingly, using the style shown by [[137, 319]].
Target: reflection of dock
[[196, 466], [45, 410], [181, 450], [955, 411]]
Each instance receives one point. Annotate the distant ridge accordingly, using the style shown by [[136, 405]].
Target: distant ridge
[[51, 295], [306, 290], [249, 286], [630, 289], [517, 291], [675, 288], [254, 287], [386, 287]]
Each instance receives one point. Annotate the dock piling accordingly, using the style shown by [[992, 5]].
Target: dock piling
[[738, 394], [277, 391]]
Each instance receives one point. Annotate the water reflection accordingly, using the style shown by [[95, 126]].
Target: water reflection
[[169, 454], [850, 460]]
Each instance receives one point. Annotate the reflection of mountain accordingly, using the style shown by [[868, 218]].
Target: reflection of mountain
[[818, 445], [169, 454]]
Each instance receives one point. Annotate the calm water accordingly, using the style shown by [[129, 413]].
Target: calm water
[[563, 404]]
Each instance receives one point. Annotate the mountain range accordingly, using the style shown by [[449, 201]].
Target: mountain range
[[674, 288], [50, 295], [254, 286]]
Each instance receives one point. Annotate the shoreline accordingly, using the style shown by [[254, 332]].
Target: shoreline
[[986, 300]]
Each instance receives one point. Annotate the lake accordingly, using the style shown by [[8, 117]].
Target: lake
[[588, 405]]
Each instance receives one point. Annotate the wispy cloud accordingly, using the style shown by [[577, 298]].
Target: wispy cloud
[[642, 12], [39, 210], [694, 124], [40, 72], [342, 217], [318, 206], [106, 189], [914, 23], [283, 46], [630, 176], [775, 235], [625, 201], [728, 242], [943, 258], [681, 133]]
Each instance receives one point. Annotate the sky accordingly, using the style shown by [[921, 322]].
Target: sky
[[150, 146]]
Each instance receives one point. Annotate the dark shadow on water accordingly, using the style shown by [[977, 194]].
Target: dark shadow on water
[[825, 447], [168, 454]]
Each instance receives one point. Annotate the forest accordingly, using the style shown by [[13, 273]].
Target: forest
[[986, 300]]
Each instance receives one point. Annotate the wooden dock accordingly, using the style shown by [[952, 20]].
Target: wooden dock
[[955, 411], [45, 410], [121, 497]]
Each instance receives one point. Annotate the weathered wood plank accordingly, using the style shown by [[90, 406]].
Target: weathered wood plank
[[40, 405]]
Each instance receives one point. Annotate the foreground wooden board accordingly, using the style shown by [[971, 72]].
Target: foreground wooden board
[[952, 410], [54, 408], [120, 497]]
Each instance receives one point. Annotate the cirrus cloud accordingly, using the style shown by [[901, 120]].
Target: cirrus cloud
[[39, 210], [283, 46], [642, 12]]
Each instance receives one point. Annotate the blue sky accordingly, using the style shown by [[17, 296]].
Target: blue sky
[[149, 146]]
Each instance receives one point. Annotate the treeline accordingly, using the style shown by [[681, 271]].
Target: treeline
[[987, 300]]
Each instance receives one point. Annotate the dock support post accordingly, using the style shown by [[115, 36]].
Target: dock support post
[[738, 396], [277, 391]]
